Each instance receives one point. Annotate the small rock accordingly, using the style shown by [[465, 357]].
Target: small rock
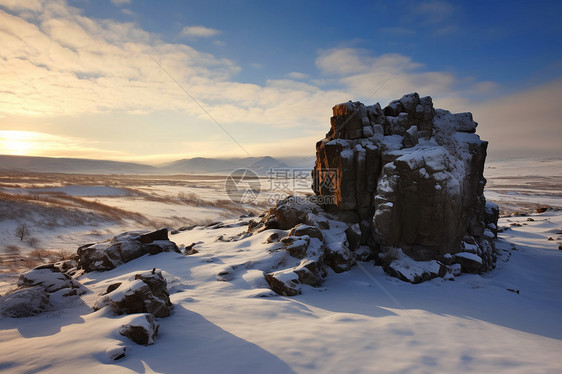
[[285, 282], [550, 238], [116, 352], [273, 238], [470, 262], [142, 329]]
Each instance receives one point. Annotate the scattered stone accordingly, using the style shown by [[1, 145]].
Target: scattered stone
[[530, 219], [542, 209], [142, 329], [550, 238]]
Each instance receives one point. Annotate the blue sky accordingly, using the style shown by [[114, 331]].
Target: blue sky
[[97, 79]]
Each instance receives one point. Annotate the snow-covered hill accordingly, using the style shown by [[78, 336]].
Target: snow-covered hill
[[226, 319]]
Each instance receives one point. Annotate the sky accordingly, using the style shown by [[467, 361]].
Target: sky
[[154, 81]]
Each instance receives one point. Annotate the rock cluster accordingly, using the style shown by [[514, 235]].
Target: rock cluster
[[412, 177], [123, 248], [315, 243], [144, 295], [35, 290]]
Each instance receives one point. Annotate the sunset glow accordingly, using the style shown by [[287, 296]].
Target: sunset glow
[[138, 80], [18, 143]]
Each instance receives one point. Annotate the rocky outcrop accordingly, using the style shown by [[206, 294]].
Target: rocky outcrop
[[24, 302], [36, 289], [143, 293], [50, 278], [411, 176], [317, 242], [123, 248]]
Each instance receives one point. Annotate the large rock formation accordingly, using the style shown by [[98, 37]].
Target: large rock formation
[[412, 177]]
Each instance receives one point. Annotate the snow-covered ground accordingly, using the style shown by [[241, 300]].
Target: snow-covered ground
[[227, 320]]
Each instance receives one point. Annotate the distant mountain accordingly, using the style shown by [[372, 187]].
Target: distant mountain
[[72, 165], [305, 162], [265, 164], [201, 165], [197, 165]]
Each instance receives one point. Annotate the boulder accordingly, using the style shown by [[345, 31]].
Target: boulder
[[140, 328], [143, 293], [470, 262], [24, 302], [50, 279], [123, 248], [288, 213]]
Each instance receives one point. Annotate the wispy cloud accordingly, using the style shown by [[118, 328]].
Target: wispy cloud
[[297, 75], [121, 2], [199, 31], [18, 5], [98, 67]]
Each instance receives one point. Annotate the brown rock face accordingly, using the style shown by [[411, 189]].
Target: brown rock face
[[412, 176]]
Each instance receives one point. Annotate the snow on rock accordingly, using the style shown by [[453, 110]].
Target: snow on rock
[[140, 328], [470, 262], [123, 248], [142, 293], [116, 351], [24, 302], [409, 270], [50, 279], [40, 289], [418, 188]]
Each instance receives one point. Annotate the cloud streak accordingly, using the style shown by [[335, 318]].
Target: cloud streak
[[199, 31]]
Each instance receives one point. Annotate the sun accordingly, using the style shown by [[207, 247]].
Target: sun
[[17, 143]]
